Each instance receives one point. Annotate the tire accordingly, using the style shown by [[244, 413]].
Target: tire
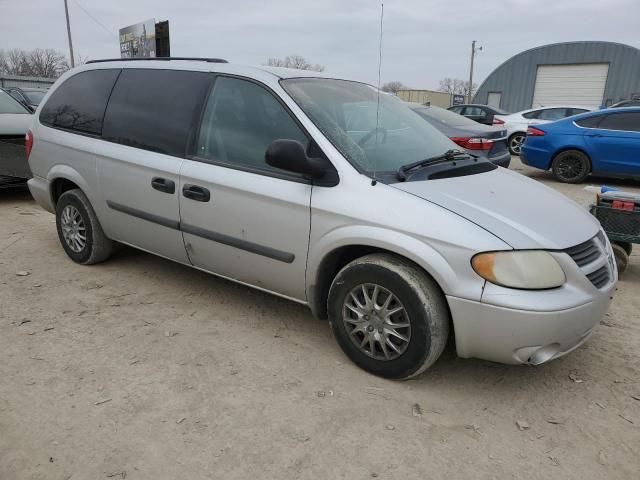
[[424, 310], [571, 166], [622, 257], [515, 143], [75, 215], [628, 246]]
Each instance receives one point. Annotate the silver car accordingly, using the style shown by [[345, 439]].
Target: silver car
[[328, 193]]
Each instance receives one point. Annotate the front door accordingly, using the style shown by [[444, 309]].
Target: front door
[[240, 217]]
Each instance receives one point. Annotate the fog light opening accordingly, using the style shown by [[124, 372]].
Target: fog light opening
[[544, 354]]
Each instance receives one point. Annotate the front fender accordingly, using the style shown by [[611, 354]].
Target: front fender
[[448, 263]]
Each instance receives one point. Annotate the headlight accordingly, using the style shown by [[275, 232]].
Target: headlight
[[527, 269]]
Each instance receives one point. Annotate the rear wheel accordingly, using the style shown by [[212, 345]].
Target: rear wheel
[[571, 166], [515, 143], [79, 230], [388, 316]]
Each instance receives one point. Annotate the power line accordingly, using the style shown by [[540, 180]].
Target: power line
[[106, 29]]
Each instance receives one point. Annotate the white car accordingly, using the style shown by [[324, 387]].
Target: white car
[[517, 123], [15, 120]]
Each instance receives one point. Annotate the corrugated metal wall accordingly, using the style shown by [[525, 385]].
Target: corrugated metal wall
[[26, 82], [516, 77], [439, 99]]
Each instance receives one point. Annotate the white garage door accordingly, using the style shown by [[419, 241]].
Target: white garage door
[[570, 84]]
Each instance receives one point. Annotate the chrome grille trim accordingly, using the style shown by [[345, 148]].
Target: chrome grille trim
[[593, 259]]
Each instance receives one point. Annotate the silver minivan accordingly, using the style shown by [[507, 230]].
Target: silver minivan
[[326, 192]]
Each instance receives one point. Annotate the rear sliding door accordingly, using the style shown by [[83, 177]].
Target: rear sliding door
[[147, 126]]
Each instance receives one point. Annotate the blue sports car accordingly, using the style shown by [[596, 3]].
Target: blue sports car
[[605, 142]]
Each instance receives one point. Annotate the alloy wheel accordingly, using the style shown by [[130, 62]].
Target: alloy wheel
[[570, 167], [515, 144], [73, 229], [376, 321]]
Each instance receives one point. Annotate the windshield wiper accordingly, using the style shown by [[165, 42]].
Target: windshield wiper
[[447, 156]]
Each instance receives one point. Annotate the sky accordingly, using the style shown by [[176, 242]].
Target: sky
[[423, 40]]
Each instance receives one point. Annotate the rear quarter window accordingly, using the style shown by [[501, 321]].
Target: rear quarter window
[[155, 109], [80, 102], [589, 122]]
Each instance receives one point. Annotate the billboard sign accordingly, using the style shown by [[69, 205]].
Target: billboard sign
[[457, 99], [139, 40]]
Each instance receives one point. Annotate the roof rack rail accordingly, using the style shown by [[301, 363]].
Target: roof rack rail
[[199, 59]]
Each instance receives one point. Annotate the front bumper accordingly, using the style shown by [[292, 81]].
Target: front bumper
[[512, 336], [531, 327]]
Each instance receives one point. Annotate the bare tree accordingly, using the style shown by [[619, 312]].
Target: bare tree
[[37, 63], [294, 61], [455, 86], [393, 87], [46, 63], [14, 62]]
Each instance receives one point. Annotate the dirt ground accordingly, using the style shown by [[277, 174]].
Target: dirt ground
[[140, 368]]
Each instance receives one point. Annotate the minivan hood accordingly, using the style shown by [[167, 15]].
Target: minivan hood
[[520, 211]]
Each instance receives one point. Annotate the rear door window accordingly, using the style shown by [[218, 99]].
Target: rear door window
[[155, 109], [552, 114], [628, 121], [575, 111], [474, 112], [79, 103]]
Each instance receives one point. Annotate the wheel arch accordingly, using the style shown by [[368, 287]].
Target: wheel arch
[[325, 262], [62, 178]]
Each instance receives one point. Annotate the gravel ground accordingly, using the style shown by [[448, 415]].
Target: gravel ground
[[145, 369]]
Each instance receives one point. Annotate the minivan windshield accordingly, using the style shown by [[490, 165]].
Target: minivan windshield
[[346, 114]]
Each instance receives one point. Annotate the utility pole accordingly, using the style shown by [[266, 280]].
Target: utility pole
[[66, 12], [473, 54]]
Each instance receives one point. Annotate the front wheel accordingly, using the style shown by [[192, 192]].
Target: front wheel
[[571, 166], [621, 256], [515, 143], [388, 316]]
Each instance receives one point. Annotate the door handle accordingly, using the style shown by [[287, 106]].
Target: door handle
[[196, 192], [163, 185]]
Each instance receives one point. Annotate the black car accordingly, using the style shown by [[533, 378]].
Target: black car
[[486, 142], [30, 97], [479, 113]]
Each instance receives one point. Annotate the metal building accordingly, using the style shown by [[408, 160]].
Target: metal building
[[576, 73]]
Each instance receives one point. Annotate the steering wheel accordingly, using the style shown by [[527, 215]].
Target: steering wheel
[[371, 133]]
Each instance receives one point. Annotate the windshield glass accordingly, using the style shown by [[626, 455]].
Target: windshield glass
[[445, 117], [34, 96], [345, 112]]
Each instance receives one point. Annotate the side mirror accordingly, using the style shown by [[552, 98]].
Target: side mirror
[[289, 155]]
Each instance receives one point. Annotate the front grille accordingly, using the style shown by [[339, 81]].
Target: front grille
[[592, 258], [585, 253], [600, 277]]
